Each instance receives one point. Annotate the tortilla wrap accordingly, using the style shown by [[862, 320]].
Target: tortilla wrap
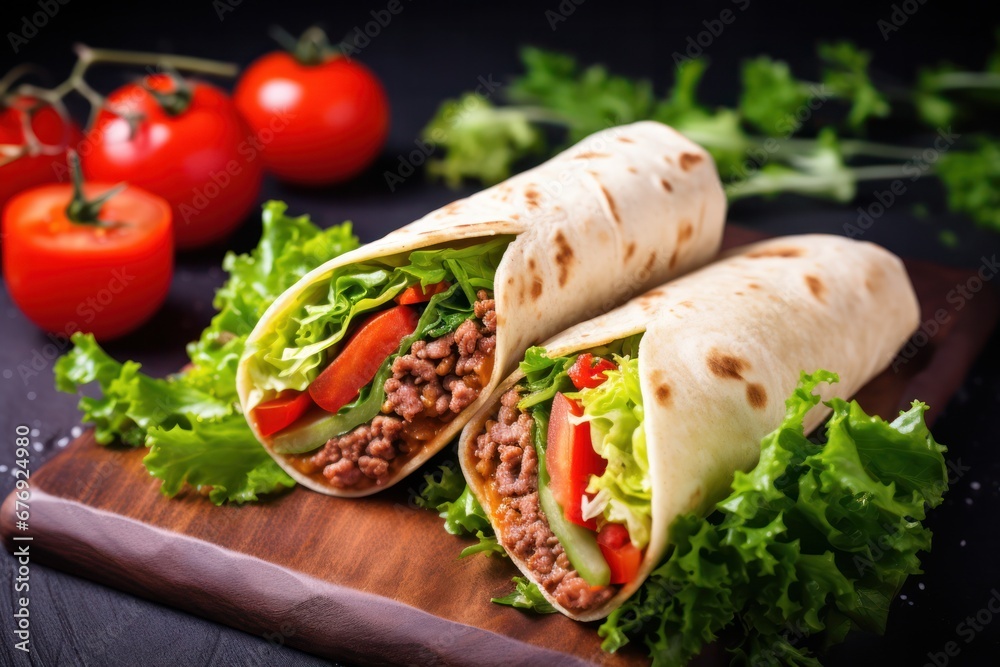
[[623, 210], [723, 347]]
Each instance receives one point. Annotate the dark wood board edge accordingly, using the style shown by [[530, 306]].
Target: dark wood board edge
[[328, 620]]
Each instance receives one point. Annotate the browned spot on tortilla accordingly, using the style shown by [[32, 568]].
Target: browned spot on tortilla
[[564, 257], [650, 262], [753, 286], [776, 252], [817, 287], [673, 258], [695, 498], [531, 264], [739, 293], [874, 279], [587, 155], [532, 196], [536, 288], [726, 366], [756, 396], [633, 170], [666, 185], [515, 216], [625, 140], [668, 159], [685, 232], [510, 281], [689, 160], [629, 251], [611, 204], [663, 394], [686, 304]]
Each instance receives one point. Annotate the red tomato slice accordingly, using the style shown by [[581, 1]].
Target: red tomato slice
[[587, 374], [570, 459], [622, 556], [274, 415], [416, 294], [356, 365]]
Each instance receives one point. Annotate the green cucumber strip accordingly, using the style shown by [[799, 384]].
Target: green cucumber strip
[[579, 543]]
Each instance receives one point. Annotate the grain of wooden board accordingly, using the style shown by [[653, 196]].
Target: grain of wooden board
[[376, 579]]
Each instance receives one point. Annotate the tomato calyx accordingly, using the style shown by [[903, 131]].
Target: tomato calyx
[[312, 48], [173, 102], [83, 211]]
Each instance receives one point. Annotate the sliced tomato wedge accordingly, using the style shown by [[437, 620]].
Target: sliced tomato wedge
[[278, 413], [570, 459], [417, 294], [587, 374], [376, 338], [622, 556]]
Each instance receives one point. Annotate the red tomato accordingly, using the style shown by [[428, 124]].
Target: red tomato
[[274, 415], [587, 374], [67, 276], [417, 294], [570, 459], [622, 556], [328, 120], [51, 129], [356, 365], [203, 160]]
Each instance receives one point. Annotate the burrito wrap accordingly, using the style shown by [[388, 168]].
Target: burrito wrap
[[723, 347], [623, 210]]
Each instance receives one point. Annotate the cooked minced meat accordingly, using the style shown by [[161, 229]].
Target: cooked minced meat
[[437, 380], [506, 454]]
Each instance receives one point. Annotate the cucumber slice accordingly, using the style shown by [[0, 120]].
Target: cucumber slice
[[580, 544]]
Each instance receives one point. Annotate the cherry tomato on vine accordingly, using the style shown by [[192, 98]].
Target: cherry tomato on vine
[[190, 146], [87, 257], [327, 115], [51, 129]]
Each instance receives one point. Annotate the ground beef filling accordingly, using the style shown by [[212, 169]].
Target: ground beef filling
[[506, 455], [434, 382]]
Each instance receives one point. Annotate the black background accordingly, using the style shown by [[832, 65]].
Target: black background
[[434, 50]]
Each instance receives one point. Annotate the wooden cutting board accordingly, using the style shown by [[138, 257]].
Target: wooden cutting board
[[376, 579]]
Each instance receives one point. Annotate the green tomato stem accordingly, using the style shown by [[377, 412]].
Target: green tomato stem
[[960, 80], [81, 210], [89, 56]]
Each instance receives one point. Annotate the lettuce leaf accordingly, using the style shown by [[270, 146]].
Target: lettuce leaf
[[614, 410], [817, 538], [526, 596], [291, 355], [220, 456], [446, 492], [191, 420]]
